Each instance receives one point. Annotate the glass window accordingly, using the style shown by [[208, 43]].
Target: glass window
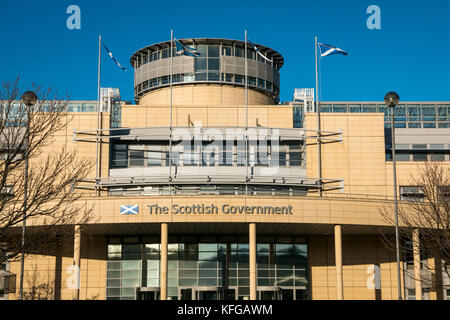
[[136, 156], [228, 77], [355, 108], [402, 156], [437, 146], [226, 154], [154, 155], [369, 108], [213, 51], [238, 78], [164, 80], [428, 113], [419, 156], [400, 113], [444, 113], [294, 155], [202, 49], [200, 64], [413, 125], [213, 76], [429, 125], [213, 64], [165, 53], [437, 156], [239, 52], [413, 112], [176, 78], [202, 76], [252, 81], [227, 50], [261, 83], [419, 146], [120, 155], [339, 108], [188, 77]]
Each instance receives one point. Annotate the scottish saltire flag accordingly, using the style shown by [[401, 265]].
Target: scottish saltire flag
[[185, 50], [129, 209], [110, 54], [327, 50], [259, 52]]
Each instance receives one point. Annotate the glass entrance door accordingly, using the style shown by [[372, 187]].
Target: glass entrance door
[[201, 293], [229, 294], [208, 293], [269, 293], [149, 294], [186, 294]]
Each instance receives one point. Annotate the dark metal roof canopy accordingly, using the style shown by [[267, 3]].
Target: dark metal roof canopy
[[277, 58]]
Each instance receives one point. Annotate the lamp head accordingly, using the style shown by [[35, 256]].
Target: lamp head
[[391, 99], [29, 98]]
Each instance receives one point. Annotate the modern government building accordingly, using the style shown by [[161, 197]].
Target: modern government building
[[202, 196]]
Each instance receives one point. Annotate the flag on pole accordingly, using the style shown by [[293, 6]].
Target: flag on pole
[[327, 50], [183, 49], [259, 52], [110, 54]]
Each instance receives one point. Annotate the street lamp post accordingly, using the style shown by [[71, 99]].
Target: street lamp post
[[391, 99], [29, 99]]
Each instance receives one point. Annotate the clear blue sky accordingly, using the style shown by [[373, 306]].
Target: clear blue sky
[[410, 54]]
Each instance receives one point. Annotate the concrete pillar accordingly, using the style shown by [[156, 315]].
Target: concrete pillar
[[76, 262], [338, 262], [252, 249], [163, 263], [417, 268]]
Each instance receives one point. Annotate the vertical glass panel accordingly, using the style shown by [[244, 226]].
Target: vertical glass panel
[[202, 49], [227, 50], [239, 52], [154, 155], [369, 108], [213, 76], [444, 113], [428, 113], [213, 51], [136, 156], [188, 77], [201, 76], [200, 64], [213, 64], [355, 108], [339, 108]]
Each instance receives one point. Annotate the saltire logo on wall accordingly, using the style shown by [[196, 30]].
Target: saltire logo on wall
[[327, 50], [129, 209], [185, 50]]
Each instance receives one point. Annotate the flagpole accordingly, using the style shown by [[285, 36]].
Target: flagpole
[[170, 137], [319, 140], [247, 153], [98, 116]]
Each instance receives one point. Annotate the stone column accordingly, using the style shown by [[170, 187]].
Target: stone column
[[163, 262], [338, 262], [252, 249], [417, 267], [76, 262]]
